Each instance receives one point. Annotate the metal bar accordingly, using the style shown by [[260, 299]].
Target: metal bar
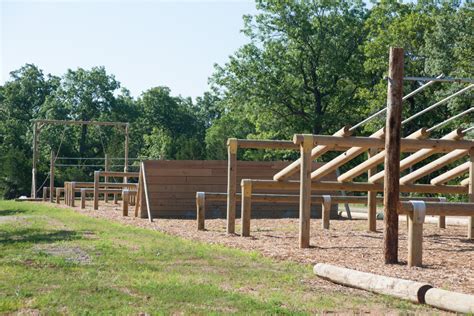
[[438, 104], [445, 79], [409, 95], [468, 129], [450, 119]]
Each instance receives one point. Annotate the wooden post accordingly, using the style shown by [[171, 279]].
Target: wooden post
[[125, 200], [246, 206], [83, 198], [231, 183], [106, 179], [415, 234], [73, 193], [326, 211], [51, 177], [200, 209], [470, 231], [45, 193], [392, 158], [372, 200], [305, 191], [58, 195], [125, 167], [96, 189], [442, 218], [35, 157]]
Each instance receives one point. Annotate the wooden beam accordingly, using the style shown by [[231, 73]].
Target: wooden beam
[[66, 122], [451, 174], [439, 208], [246, 207], [51, 177], [433, 166], [200, 209], [470, 231], [231, 183], [350, 154], [266, 144], [392, 157], [376, 159], [145, 190], [419, 155], [305, 191], [316, 152], [372, 200]]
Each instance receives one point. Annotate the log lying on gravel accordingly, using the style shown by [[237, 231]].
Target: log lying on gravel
[[451, 301], [404, 289]]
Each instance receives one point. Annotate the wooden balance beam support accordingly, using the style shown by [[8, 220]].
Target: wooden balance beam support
[[59, 191], [99, 174], [376, 159], [316, 152], [45, 194], [85, 191], [416, 210], [233, 144], [127, 197], [418, 156]]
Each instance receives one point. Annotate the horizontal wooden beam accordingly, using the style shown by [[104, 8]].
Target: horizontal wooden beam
[[372, 142], [440, 208], [357, 187], [118, 174], [66, 122], [266, 144]]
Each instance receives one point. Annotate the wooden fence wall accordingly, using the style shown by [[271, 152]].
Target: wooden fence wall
[[172, 187]]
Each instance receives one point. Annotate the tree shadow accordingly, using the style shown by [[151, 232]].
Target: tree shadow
[[29, 235], [10, 212]]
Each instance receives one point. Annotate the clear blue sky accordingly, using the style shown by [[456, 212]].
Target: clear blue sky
[[143, 43]]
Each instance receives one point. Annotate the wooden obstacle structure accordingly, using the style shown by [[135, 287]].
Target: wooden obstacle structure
[[169, 187]]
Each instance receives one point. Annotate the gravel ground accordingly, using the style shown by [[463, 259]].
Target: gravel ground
[[448, 256]]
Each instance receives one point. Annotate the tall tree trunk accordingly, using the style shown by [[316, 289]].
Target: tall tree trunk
[[82, 141], [318, 109]]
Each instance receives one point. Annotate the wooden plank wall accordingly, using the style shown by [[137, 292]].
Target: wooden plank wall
[[172, 187]]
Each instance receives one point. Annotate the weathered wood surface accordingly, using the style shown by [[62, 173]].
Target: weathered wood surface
[[404, 289], [172, 186], [450, 301]]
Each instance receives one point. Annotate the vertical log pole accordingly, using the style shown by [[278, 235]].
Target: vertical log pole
[[415, 234], [246, 207], [45, 193], [83, 198], [51, 177], [392, 157], [35, 153], [231, 183], [326, 211], [96, 189], [73, 193], [125, 200], [372, 200], [470, 231], [125, 167], [106, 179], [200, 209], [305, 191]]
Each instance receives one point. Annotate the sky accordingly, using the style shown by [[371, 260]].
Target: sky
[[143, 43]]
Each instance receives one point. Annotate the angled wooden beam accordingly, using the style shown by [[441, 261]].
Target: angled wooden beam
[[418, 156], [451, 174], [375, 160], [434, 165], [316, 152], [343, 158]]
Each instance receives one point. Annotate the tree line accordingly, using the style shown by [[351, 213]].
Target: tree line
[[310, 66]]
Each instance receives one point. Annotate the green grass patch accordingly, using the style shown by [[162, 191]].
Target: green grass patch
[[58, 261]]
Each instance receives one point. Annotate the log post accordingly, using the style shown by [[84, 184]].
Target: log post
[[83, 198], [305, 190], [106, 179], [125, 200], [200, 209], [45, 194], [35, 157], [231, 183], [58, 195], [73, 193], [372, 199], [326, 211], [442, 218], [51, 177], [246, 206], [96, 189], [415, 233], [470, 229], [392, 158]]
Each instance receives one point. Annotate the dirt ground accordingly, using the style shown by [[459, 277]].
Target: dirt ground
[[448, 256]]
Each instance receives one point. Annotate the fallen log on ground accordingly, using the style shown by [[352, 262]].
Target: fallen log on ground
[[404, 289], [450, 301]]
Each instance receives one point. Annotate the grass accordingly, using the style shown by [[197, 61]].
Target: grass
[[55, 260]]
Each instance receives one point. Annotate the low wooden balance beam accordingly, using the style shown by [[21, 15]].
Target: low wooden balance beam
[[416, 211], [325, 200], [106, 174]]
